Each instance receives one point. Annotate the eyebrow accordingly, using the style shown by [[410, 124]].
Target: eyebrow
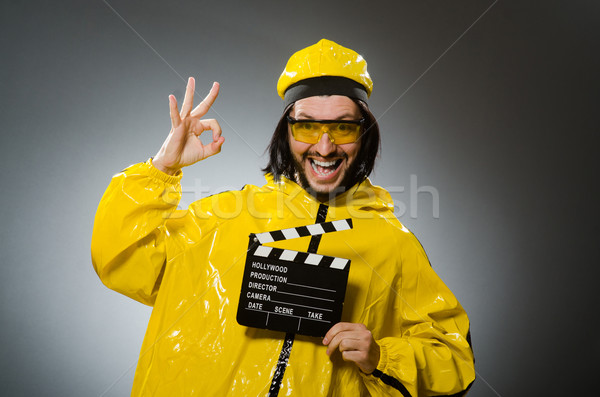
[[305, 116]]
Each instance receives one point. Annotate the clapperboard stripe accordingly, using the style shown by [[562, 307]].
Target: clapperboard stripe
[[303, 231], [263, 251], [301, 257]]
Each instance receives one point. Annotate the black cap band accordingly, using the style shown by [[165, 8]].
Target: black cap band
[[324, 85]]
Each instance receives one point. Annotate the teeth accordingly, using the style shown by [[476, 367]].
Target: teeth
[[314, 167], [324, 163]]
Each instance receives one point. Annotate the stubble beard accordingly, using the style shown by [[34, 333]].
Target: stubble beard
[[350, 179]]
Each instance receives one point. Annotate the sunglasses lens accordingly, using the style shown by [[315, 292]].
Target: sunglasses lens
[[306, 132], [345, 132], [340, 133]]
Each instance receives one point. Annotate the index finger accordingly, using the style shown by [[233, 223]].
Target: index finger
[[204, 106], [336, 329]]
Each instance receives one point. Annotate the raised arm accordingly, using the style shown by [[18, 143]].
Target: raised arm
[[129, 248]]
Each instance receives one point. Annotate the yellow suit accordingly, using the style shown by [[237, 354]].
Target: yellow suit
[[188, 265]]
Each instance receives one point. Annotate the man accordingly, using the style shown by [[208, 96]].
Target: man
[[402, 331]]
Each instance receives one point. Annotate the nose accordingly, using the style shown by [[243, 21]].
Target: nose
[[325, 146]]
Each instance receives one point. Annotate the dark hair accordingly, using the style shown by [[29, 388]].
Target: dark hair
[[281, 162]]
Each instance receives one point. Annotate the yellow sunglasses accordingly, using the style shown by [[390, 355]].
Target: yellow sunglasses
[[339, 131]]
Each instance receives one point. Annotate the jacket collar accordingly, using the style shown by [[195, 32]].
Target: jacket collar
[[363, 195]]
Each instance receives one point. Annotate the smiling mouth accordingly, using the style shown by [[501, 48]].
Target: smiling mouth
[[325, 168]]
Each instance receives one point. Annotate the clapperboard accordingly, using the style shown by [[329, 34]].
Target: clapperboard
[[292, 291]]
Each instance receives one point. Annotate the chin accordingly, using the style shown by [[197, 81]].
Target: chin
[[322, 191], [327, 188]]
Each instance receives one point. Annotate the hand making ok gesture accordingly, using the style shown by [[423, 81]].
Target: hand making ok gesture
[[183, 146]]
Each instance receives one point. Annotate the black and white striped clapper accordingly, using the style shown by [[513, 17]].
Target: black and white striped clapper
[[292, 291]]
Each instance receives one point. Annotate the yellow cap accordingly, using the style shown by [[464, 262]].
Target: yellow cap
[[325, 58]]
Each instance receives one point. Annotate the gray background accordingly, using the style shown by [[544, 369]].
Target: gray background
[[497, 114]]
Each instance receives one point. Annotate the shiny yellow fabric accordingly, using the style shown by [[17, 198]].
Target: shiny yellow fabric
[[189, 264], [325, 58]]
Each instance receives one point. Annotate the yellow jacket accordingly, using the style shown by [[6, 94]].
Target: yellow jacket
[[188, 265]]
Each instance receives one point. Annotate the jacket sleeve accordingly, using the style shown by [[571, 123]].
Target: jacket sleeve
[[431, 354], [128, 240]]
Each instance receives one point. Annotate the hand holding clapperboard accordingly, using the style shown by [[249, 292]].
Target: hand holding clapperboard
[[292, 291]]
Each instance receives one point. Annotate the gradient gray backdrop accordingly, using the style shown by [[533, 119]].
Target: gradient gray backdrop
[[502, 126]]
